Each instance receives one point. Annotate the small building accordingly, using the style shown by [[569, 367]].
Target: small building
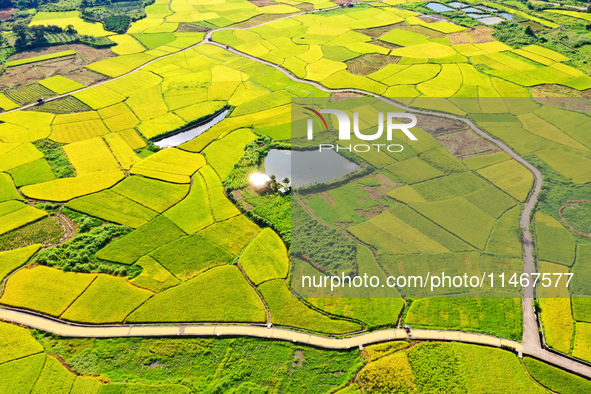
[[284, 191]]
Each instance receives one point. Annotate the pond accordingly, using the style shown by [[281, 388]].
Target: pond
[[438, 7], [506, 16], [491, 21], [472, 10], [309, 166], [457, 4], [186, 135]]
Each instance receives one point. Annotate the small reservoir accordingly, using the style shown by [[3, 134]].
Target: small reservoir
[[183, 136], [307, 167]]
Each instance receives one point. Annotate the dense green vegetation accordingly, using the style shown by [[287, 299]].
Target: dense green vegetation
[[78, 254], [55, 156]]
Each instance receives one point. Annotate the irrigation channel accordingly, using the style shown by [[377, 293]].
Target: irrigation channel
[[530, 344]]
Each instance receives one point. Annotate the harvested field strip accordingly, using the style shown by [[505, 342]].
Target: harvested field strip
[[40, 58]]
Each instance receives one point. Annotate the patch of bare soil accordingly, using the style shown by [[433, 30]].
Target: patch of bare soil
[[386, 184], [237, 194], [465, 142], [262, 3], [432, 18], [5, 14], [367, 64], [436, 125], [305, 6], [85, 76], [376, 32], [558, 91], [258, 20], [374, 193], [71, 67], [38, 52], [373, 211], [344, 95], [571, 104], [327, 197], [90, 54], [459, 38], [191, 28], [298, 358], [481, 34]]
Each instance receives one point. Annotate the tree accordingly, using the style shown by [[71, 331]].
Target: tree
[[286, 181], [273, 182], [70, 29]]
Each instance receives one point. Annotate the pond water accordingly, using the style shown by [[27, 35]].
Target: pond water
[[438, 7], [472, 9], [192, 132], [491, 21], [506, 16], [308, 166], [457, 4], [476, 16]]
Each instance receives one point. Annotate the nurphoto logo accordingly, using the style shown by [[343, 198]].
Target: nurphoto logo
[[344, 129]]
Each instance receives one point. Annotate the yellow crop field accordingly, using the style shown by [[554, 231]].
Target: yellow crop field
[[154, 276], [323, 69], [7, 104], [19, 217], [429, 50], [75, 117], [171, 164], [78, 131], [132, 138], [126, 44], [573, 166], [18, 154], [108, 299], [265, 258], [90, 156], [122, 151], [99, 97], [65, 189], [44, 289], [160, 125], [60, 84], [135, 82], [511, 177], [117, 66]]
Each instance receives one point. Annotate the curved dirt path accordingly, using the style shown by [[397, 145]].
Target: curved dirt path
[[530, 345], [199, 330]]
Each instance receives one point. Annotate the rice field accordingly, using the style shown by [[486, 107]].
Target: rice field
[[44, 289], [108, 299], [265, 258], [138, 243], [198, 255], [217, 295]]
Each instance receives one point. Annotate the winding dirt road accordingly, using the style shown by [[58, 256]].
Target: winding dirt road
[[530, 345]]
